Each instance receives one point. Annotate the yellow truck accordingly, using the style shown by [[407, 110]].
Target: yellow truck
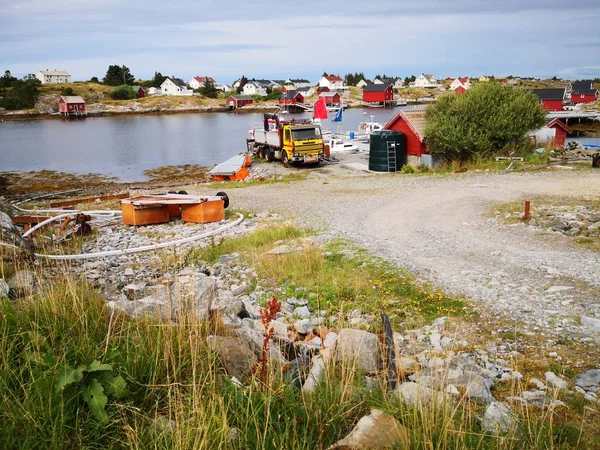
[[290, 141]]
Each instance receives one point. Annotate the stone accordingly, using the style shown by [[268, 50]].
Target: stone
[[594, 227], [590, 323], [435, 340], [4, 289], [318, 369], [555, 380], [297, 301], [414, 394], [23, 283], [556, 289], [133, 291], [589, 381], [406, 364], [446, 341], [235, 354], [304, 326], [358, 347], [302, 311], [375, 431], [330, 339], [240, 290], [280, 250], [475, 387], [129, 272], [497, 419]]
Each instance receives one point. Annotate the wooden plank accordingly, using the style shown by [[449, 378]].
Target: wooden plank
[[76, 201]]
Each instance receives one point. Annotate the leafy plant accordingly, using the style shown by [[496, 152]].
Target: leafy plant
[[93, 381], [407, 169], [266, 316]]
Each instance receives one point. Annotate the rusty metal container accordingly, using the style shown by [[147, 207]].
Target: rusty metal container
[[209, 211], [144, 214]]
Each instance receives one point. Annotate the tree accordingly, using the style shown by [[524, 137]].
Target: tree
[[243, 82], [485, 120], [7, 80], [94, 80], [118, 75], [209, 89], [123, 92], [23, 95], [158, 79], [67, 91]]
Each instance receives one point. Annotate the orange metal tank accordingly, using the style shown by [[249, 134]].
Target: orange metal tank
[[144, 215], [211, 211]]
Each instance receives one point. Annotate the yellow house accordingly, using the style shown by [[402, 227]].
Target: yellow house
[[484, 78]]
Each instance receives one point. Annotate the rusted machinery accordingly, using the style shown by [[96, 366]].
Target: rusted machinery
[[154, 209]]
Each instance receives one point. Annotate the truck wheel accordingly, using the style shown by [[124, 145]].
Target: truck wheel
[[285, 160], [225, 199], [260, 153], [269, 156]]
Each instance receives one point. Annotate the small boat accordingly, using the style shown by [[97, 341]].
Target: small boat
[[339, 146]]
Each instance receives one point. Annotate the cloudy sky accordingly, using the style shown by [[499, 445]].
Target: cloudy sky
[[267, 39]]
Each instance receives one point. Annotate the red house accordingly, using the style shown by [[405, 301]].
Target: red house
[[322, 89], [291, 97], [237, 101], [378, 93], [412, 124], [551, 99], [560, 133], [139, 91], [460, 90], [331, 98], [584, 96], [71, 105]]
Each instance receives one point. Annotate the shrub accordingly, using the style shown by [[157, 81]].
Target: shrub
[[67, 91], [123, 92], [407, 169]]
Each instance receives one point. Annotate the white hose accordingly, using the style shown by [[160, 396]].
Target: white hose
[[127, 251]]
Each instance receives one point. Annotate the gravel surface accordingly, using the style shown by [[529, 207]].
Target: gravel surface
[[436, 227]]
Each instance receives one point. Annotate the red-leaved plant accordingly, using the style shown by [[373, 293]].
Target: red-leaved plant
[[266, 316]]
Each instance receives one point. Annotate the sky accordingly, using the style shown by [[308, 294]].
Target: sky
[[302, 39]]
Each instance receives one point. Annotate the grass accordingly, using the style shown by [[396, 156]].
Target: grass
[[287, 178]]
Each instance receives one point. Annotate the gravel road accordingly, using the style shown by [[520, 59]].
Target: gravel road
[[436, 227]]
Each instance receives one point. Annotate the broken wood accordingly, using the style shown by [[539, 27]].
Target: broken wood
[[76, 201]]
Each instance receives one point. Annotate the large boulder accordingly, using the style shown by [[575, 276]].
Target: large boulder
[[235, 354], [375, 430], [416, 394], [359, 348], [23, 283], [589, 381], [497, 418], [12, 244]]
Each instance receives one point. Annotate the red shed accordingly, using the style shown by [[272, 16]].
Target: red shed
[[139, 91], [237, 101], [560, 132], [378, 93], [331, 98], [460, 90], [551, 99], [322, 89], [291, 97], [412, 124], [584, 96], [71, 105]]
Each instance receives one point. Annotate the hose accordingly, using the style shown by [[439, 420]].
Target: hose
[[127, 251]]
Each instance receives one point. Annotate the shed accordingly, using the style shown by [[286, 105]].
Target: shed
[[322, 89], [412, 125], [460, 90], [237, 101], [560, 132], [550, 99], [291, 97], [139, 91], [582, 84], [584, 96], [331, 98], [71, 105], [378, 93]]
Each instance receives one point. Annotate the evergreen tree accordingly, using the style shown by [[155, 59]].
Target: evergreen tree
[[209, 89], [243, 82], [7, 80], [118, 75]]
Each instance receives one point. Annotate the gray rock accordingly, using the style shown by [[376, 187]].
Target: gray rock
[[23, 283], [416, 394], [235, 353], [476, 388], [358, 347], [242, 289], [304, 326], [497, 418], [4, 289], [303, 312], [375, 431], [406, 364], [280, 250], [133, 291], [129, 272], [297, 301], [589, 381], [555, 380], [591, 323], [556, 289], [594, 227]]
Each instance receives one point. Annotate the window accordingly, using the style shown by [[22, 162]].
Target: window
[[287, 135]]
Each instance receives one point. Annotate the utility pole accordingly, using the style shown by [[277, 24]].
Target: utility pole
[[123, 68]]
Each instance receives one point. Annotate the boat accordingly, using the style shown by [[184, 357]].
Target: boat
[[337, 145]]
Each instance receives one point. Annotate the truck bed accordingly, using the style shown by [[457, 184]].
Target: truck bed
[[267, 137]]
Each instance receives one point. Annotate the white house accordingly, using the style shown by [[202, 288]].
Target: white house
[[254, 88], [175, 86], [154, 91], [465, 82], [332, 82], [224, 87], [396, 82], [198, 82], [426, 80], [307, 91], [298, 82], [362, 83], [53, 76]]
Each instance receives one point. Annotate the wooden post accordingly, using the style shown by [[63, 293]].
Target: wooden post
[[527, 214]]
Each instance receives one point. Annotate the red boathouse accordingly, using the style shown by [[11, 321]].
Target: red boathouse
[[584, 96], [331, 98], [71, 105], [412, 124], [551, 99], [378, 93], [560, 132], [291, 97]]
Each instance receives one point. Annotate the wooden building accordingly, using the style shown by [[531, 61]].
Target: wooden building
[[583, 96], [460, 90], [378, 93], [71, 106], [551, 99], [331, 98], [291, 97], [560, 132], [412, 124], [237, 101]]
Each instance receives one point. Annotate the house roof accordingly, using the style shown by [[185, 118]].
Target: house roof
[[178, 81], [241, 97], [136, 88], [299, 80], [72, 99], [584, 92], [560, 124], [203, 79], [429, 76], [289, 94], [414, 119], [328, 94], [55, 72], [377, 87], [333, 78], [583, 84], [304, 89], [550, 94], [463, 80]]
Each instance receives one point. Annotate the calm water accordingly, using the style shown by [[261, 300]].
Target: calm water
[[125, 146]]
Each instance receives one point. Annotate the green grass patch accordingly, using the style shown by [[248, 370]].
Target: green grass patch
[[287, 178]]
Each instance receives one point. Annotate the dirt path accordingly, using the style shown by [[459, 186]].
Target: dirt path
[[435, 226]]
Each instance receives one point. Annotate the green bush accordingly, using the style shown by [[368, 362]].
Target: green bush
[[67, 91], [123, 92], [407, 169], [23, 95]]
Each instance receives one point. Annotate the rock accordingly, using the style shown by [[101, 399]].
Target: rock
[[133, 291], [4, 289], [555, 380], [297, 301], [446, 341], [303, 312], [475, 388], [589, 381], [373, 431], [330, 339], [129, 272], [594, 227], [242, 289], [318, 369], [406, 364], [591, 323], [414, 394], [435, 340], [556, 289], [23, 283], [304, 326], [280, 250], [497, 418], [235, 353], [358, 347]]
